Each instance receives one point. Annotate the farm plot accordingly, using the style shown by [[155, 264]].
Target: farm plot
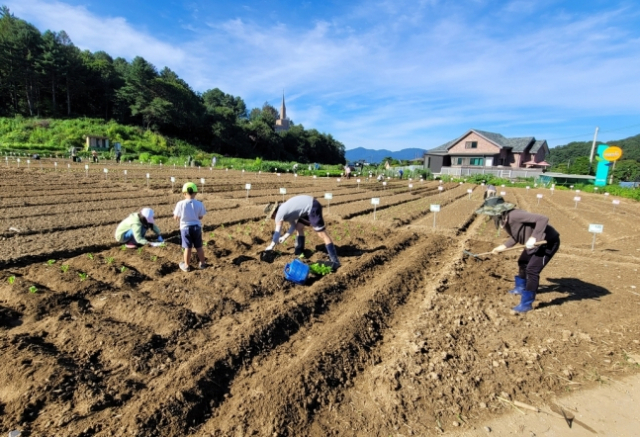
[[408, 337]]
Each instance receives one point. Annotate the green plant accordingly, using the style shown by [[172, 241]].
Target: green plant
[[82, 276], [90, 256], [139, 250], [11, 280], [320, 269], [110, 260], [154, 258], [51, 262], [123, 269], [33, 289], [64, 268], [123, 247], [163, 244]]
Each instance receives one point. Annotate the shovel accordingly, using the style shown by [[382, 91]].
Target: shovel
[[520, 246]]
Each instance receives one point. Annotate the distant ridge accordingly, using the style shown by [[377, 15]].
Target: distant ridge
[[376, 156]]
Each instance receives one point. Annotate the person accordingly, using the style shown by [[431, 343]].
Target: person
[[213, 161], [529, 229], [190, 212], [400, 173], [94, 156], [118, 156], [73, 152], [300, 211], [347, 171], [490, 191], [131, 231]]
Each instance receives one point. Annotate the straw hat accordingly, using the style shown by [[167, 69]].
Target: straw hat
[[495, 206], [270, 208]]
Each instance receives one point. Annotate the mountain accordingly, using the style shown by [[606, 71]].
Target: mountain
[[377, 156]]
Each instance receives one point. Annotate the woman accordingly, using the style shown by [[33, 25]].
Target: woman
[[529, 229]]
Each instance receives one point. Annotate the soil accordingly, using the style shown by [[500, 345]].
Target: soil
[[411, 336]]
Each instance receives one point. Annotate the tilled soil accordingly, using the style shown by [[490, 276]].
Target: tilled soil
[[409, 337]]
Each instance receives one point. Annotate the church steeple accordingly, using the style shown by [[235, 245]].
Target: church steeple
[[283, 109]]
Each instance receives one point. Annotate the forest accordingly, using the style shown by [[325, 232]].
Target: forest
[[44, 75]]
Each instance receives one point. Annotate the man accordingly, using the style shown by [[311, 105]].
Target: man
[[528, 229], [300, 211]]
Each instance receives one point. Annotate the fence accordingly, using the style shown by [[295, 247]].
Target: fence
[[498, 172]]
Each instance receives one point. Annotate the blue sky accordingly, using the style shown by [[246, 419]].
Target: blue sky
[[388, 74]]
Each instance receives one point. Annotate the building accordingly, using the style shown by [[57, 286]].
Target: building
[[478, 148], [283, 123], [96, 143]]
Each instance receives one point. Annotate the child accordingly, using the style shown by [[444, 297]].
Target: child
[[190, 211], [131, 231]]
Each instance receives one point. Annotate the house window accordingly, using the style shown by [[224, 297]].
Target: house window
[[477, 161], [459, 161], [471, 145]]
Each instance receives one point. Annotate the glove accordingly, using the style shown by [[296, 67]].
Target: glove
[[270, 246], [284, 238], [499, 249], [530, 244], [160, 239]]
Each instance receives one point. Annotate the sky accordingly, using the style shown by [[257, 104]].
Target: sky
[[389, 74]]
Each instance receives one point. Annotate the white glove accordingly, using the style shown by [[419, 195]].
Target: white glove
[[284, 238], [271, 246], [499, 249], [531, 243]]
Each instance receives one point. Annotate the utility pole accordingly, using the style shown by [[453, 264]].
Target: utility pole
[[593, 148]]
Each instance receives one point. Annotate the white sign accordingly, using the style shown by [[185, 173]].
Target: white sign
[[410, 185], [527, 187], [615, 202], [86, 166], [577, 191], [375, 201], [148, 175], [246, 186], [384, 184], [440, 188], [539, 196], [107, 171], [173, 180], [125, 172], [469, 191], [328, 196], [606, 194], [596, 229], [358, 180], [202, 182], [338, 179], [283, 191], [314, 176], [503, 193], [576, 199], [434, 208]]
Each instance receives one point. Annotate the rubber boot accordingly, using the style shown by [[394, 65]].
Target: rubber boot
[[526, 301], [333, 256], [520, 284], [299, 249]]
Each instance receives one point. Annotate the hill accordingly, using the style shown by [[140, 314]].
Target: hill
[[562, 154], [377, 156]]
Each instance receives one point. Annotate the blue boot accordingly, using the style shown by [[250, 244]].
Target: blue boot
[[333, 256], [520, 284], [299, 248], [526, 301]]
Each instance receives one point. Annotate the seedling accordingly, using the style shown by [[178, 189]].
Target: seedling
[[154, 258], [163, 244], [212, 234], [139, 250], [51, 262], [33, 289], [90, 256], [64, 268], [82, 276], [123, 269], [320, 269], [204, 243], [11, 280], [110, 260]]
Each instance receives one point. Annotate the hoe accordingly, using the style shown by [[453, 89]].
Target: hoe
[[519, 246]]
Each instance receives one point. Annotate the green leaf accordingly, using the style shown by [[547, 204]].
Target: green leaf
[[33, 289], [320, 269]]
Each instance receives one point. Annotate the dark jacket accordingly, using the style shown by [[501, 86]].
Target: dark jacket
[[521, 225]]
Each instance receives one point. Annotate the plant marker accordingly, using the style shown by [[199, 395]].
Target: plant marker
[[595, 229], [173, 181], [6, 160], [384, 184], [435, 209], [527, 187], [606, 194], [410, 187], [552, 189], [502, 185], [358, 181], [55, 164], [338, 180], [28, 163], [86, 170], [148, 176], [375, 201], [125, 175], [247, 187], [539, 196], [576, 199], [328, 196], [615, 202], [469, 191], [577, 191], [18, 162], [503, 193], [106, 173], [202, 182]]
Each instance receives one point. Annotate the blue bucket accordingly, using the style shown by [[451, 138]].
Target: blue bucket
[[297, 271]]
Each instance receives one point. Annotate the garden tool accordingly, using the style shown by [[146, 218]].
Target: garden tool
[[519, 246]]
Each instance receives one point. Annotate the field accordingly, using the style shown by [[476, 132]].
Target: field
[[409, 337]]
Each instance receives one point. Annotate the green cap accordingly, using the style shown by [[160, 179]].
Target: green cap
[[185, 187]]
